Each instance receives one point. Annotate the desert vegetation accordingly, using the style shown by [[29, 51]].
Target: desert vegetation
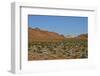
[[68, 48]]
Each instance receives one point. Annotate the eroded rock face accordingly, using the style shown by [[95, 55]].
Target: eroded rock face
[[38, 34]]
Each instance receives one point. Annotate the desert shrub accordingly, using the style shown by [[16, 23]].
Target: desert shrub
[[69, 48]]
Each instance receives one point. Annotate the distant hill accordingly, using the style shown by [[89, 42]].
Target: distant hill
[[38, 34], [70, 36], [82, 36]]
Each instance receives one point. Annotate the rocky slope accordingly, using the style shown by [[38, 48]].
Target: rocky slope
[[38, 34]]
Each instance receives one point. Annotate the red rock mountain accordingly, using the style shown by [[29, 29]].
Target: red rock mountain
[[83, 36], [38, 34]]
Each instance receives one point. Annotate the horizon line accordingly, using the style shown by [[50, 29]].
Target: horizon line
[[55, 32]]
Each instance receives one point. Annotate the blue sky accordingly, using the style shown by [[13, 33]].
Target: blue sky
[[66, 25]]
